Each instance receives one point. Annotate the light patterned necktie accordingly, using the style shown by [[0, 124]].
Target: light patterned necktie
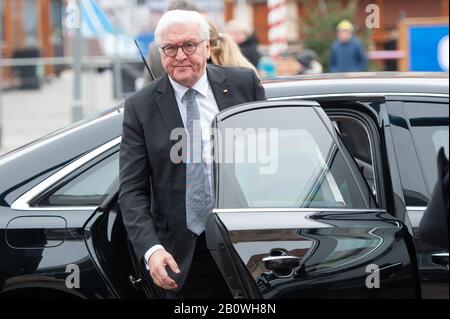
[[198, 197]]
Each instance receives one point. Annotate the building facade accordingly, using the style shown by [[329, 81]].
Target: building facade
[[391, 13], [31, 24]]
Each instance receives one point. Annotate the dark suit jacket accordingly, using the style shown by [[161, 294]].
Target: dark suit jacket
[[152, 187]]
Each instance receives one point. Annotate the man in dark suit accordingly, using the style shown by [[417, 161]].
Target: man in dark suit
[[165, 202]]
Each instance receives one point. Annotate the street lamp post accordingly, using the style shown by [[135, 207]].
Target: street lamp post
[[77, 104]]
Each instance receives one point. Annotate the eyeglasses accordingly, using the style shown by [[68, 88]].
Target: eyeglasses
[[188, 48]]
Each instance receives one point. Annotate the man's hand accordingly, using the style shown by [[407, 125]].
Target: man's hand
[[157, 264]]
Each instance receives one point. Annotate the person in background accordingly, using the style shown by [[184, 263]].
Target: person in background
[[308, 62], [225, 51], [347, 53], [246, 39], [433, 228], [153, 56]]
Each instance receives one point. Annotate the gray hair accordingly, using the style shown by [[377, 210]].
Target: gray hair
[[183, 5], [182, 18]]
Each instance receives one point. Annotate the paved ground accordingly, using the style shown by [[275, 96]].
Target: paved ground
[[29, 114]]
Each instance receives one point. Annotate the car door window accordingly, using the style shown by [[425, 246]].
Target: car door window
[[89, 188], [356, 138], [411, 176], [299, 166], [429, 126]]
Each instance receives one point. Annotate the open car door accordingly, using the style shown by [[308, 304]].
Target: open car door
[[294, 218]]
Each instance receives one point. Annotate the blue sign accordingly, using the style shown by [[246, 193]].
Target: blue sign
[[428, 48]]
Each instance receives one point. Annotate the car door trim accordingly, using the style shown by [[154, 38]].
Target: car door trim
[[416, 208], [23, 202], [368, 94], [294, 210]]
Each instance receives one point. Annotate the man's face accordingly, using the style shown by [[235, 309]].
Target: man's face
[[185, 69]]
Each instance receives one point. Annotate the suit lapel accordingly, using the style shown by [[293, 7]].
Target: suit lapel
[[167, 104], [221, 90]]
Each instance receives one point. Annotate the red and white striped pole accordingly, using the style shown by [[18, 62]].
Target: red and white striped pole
[[277, 17]]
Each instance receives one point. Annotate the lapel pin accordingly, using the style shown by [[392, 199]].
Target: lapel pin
[[225, 91]]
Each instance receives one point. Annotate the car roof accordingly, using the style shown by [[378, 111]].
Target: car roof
[[358, 83]]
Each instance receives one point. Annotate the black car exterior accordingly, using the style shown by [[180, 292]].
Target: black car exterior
[[402, 121], [62, 235]]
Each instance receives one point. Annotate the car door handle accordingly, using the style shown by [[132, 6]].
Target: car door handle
[[440, 259], [136, 283], [282, 266]]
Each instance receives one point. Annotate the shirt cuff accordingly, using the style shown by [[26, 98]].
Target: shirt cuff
[[149, 253]]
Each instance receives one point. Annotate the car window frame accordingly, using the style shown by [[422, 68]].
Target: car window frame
[[429, 186], [412, 213], [63, 176], [422, 98], [377, 122], [36, 202], [359, 180], [369, 125]]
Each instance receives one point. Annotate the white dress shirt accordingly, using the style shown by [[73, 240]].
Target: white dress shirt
[[208, 109]]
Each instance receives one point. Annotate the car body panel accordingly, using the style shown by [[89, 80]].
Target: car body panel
[[43, 265], [382, 100], [331, 248], [336, 250]]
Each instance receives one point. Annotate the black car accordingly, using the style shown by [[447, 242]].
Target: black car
[[333, 214]]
